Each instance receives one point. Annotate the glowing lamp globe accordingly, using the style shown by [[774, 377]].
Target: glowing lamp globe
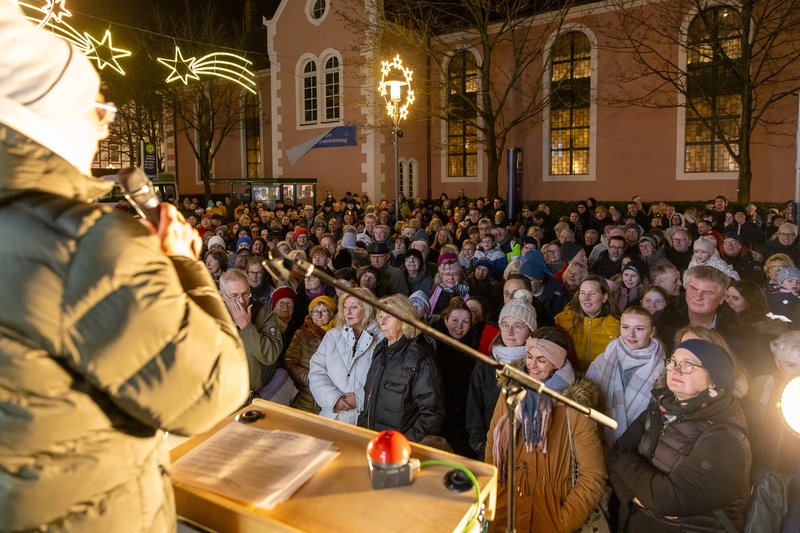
[[790, 404]]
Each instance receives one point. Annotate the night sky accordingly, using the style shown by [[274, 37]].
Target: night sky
[[98, 15]]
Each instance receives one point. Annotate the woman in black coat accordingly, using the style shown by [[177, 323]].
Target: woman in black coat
[[684, 464], [403, 390]]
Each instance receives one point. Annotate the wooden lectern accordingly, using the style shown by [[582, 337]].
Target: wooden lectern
[[339, 497]]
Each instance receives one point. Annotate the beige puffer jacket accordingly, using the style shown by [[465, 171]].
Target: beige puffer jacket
[[103, 340]]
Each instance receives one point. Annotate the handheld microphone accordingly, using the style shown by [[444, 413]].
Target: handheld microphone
[[139, 191]]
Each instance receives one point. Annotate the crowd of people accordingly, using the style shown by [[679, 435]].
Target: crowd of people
[[674, 324]]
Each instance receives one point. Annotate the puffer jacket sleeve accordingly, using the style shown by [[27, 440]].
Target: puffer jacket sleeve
[[564, 319], [319, 380], [294, 357], [149, 331], [426, 391], [591, 482]]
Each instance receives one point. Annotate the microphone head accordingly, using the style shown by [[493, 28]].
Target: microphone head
[[135, 183], [132, 179]]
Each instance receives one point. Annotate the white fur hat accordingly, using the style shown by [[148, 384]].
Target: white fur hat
[[47, 89]]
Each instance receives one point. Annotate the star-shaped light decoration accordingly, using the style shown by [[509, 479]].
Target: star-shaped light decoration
[[104, 53], [182, 69], [219, 64]]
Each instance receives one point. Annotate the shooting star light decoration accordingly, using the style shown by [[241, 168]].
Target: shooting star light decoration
[[220, 64], [102, 52]]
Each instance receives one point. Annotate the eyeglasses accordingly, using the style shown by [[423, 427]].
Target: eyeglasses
[[684, 367], [106, 112], [518, 328], [255, 272], [320, 312], [240, 297]]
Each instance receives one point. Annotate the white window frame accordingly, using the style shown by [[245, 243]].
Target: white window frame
[[680, 148], [310, 9], [320, 62], [592, 175], [479, 175]]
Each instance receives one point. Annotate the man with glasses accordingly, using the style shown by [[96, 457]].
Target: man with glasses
[[784, 242], [257, 326], [610, 262], [258, 279]]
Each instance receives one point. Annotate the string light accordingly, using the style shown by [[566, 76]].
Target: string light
[[102, 52], [220, 64], [225, 65]]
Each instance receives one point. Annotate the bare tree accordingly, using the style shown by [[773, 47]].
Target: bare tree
[[502, 90], [140, 106], [205, 110], [728, 65]]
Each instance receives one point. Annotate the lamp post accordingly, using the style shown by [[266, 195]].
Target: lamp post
[[394, 79]]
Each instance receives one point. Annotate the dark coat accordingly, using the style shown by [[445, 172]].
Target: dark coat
[[687, 468], [455, 368], [481, 400], [605, 267], [746, 266], [403, 390]]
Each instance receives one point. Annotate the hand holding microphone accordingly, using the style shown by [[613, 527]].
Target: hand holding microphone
[[177, 237]]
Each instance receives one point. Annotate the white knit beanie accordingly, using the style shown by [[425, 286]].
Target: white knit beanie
[[47, 89], [519, 306], [706, 243]]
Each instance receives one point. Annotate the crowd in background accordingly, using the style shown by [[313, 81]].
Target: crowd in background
[[680, 326]]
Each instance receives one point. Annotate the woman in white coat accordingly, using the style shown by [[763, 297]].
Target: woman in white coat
[[338, 369]]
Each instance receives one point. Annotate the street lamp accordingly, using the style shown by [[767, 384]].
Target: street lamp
[[394, 78]]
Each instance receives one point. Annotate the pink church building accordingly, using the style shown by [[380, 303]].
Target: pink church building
[[318, 114]]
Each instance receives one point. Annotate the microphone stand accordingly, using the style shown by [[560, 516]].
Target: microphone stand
[[513, 381]]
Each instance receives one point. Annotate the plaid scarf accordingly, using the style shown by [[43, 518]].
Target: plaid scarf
[[625, 402]]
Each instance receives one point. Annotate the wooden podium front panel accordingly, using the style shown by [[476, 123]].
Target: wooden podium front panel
[[340, 497]]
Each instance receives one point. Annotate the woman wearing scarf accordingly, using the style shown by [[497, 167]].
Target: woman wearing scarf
[[684, 463], [627, 370], [321, 317], [547, 499], [517, 322], [450, 282]]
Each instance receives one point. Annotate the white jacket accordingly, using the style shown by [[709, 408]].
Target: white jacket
[[339, 366]]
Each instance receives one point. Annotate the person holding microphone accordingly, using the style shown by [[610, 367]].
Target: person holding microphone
[[111, 331]]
